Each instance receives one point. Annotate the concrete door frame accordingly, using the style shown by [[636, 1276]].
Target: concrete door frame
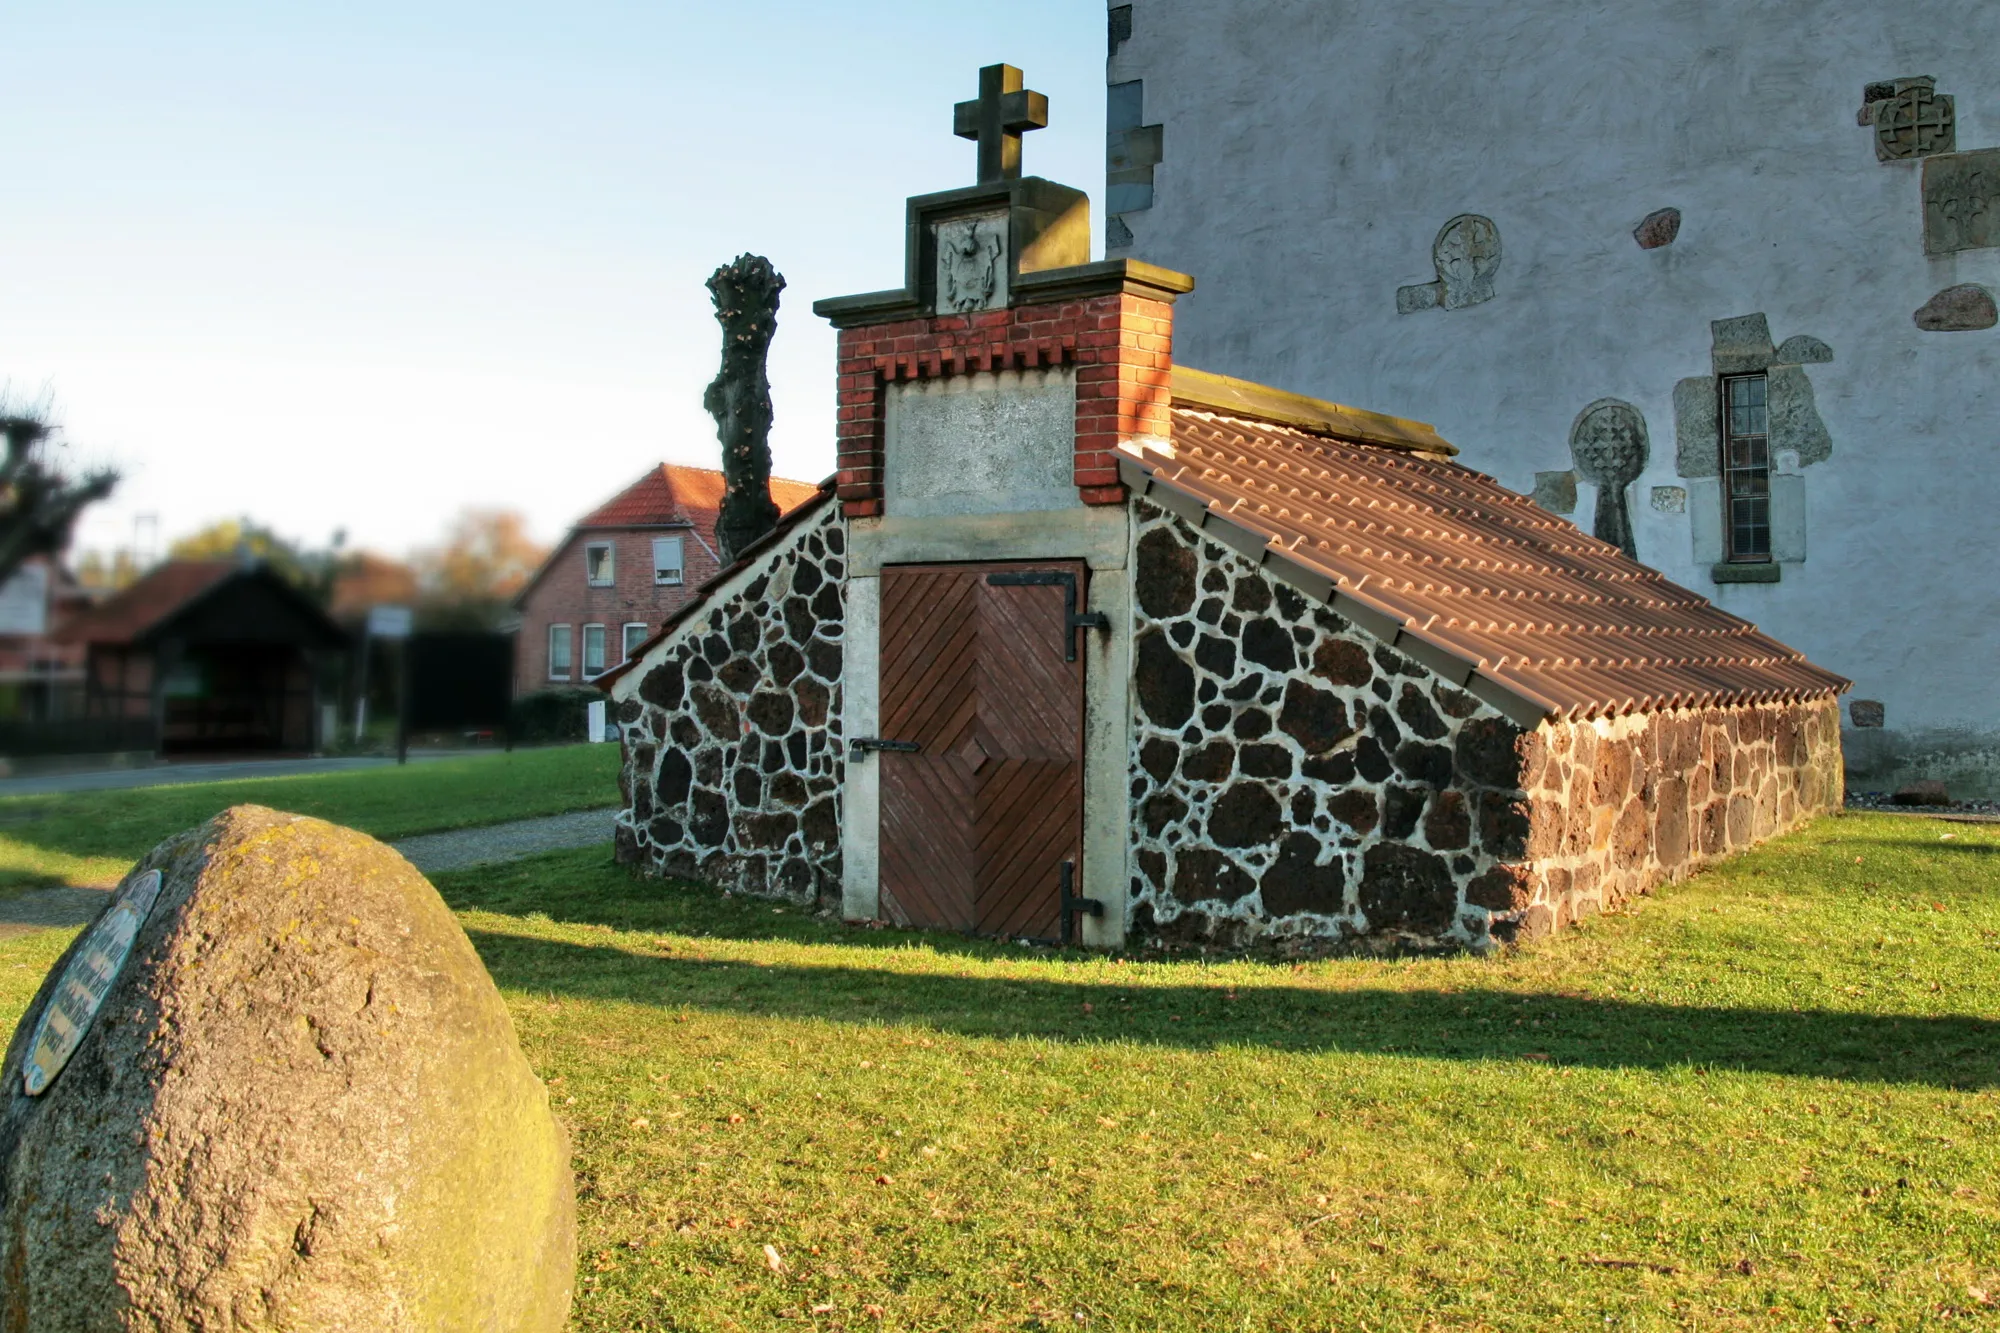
[[1099, 536]]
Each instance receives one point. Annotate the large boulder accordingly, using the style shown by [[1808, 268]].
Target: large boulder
[[300, 1106]]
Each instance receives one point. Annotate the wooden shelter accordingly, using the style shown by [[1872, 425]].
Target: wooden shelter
[[221, 656]]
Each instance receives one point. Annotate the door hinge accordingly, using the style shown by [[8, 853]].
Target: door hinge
[[1071, 904], [1073, 619], [860, 745]]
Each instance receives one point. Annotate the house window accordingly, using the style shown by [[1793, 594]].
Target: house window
[[1746, 470], [559, 650], [599, 566], [635, 634], [593, 651], [667, 564]]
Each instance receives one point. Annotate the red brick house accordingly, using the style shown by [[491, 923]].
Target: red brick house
[[621, 572]]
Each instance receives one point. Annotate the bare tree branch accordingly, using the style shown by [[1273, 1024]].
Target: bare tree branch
[[39, 501]]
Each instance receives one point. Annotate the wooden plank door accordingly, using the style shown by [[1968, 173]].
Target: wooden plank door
[[929, 656], [977, 824]]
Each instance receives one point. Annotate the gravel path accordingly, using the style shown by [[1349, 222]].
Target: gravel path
[[432, 852], [40, 909], [1881, 802]]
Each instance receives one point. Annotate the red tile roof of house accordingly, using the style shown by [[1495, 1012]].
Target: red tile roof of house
[[671, 493], [125, 616], [1468, 577]]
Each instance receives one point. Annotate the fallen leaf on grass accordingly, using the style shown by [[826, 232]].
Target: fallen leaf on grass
[[1665, 1269], [873, 1311], [773, 1260]]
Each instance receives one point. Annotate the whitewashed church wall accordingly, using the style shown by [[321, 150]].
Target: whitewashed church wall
[[1308, 156], [731, 728]]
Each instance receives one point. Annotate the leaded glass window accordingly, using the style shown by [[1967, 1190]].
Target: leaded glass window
[[1746, 468]]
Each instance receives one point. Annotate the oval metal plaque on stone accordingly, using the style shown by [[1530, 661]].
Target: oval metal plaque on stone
[[66, 1018]]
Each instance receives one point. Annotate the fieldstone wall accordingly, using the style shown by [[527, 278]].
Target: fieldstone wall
[[1297, 784], [731, 729], [1614, 806], [1292, 779]]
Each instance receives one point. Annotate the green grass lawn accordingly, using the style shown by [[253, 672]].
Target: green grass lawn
[[1769, 1100], [92, 837]]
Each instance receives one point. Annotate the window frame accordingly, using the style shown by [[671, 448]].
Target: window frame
[[680, 570], [626, 641], [610, 579], [1755, 471], [603, 651], [569, 651]]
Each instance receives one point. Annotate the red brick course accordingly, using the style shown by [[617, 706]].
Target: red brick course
[[1120, 345]]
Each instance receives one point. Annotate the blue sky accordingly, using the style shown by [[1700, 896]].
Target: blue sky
[[359, 266]]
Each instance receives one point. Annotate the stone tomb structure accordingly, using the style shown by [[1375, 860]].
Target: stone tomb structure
[[1079, 644]]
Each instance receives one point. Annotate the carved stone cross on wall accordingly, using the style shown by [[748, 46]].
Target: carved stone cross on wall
[[1916, 122], [998, 117]]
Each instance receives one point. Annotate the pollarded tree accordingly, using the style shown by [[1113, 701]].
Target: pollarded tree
[[39, 499], [739, 398]]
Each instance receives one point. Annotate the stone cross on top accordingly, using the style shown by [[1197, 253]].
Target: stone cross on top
[[998, 117]]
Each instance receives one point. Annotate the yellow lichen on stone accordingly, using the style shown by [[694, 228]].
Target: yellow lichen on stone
[[354, 1175]]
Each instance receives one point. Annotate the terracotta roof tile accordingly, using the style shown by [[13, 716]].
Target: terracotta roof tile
[[671, 493], [126, 616], [1469, 571]]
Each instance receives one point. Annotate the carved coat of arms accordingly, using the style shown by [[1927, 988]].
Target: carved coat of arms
[[972, 263]]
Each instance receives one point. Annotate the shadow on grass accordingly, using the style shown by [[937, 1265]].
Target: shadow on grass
[[586, 887], [1977, 849], [1945, 1052]]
